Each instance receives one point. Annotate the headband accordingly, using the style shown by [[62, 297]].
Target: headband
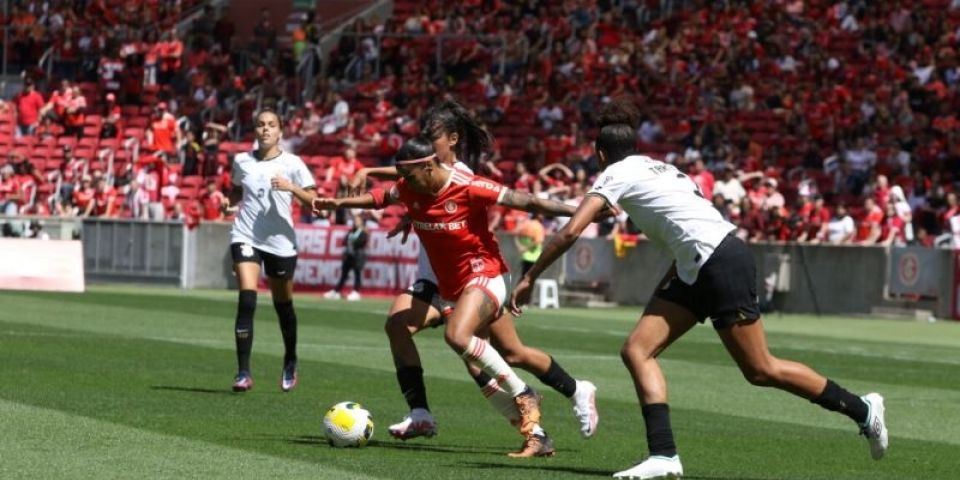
[[416, 160]]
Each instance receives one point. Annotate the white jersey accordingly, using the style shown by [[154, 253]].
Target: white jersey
[[424, 269], [264, 219], [668, 207]]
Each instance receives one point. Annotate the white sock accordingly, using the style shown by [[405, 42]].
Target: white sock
[[486, 358], [500, 401]]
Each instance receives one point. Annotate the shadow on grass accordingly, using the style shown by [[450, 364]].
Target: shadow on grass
[[593, 472], [320, 440], [174, 388]]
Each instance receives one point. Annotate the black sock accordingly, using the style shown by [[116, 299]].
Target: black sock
[[411, 384], [288, 329], [558, 379], [243, 329], [656, 416], [838, 399], [482, 379]]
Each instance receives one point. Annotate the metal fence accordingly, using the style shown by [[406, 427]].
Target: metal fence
[[136, 250]]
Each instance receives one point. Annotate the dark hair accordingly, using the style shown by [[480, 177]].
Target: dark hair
[[618, 122], [416, 147], [451, 117], [269, 110]]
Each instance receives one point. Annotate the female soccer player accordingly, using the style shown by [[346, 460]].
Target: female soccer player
[[265, 181], [713, 275], [456, 137], [448, 209]]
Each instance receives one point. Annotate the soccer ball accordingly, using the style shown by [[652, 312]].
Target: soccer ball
[[348, 424]]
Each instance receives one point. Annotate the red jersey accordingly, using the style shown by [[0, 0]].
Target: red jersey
[[453, 229]]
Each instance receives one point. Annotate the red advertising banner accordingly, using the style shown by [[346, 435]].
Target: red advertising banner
[[391, 265]]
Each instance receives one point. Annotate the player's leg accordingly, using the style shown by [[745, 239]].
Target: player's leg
[[662, 323], [411, 312], [747, 343], [280, 272], [478, 305], [582, 394], [246, 266], [357, 267]]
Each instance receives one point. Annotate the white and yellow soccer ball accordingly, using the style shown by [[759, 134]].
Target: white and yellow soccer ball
[[348, 424]]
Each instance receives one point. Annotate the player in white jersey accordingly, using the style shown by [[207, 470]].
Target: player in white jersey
[[713, 275], [265, 182], [456, 135]]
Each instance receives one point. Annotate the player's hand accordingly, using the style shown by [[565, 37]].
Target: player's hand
[[358, 184], [282, 184], [608, 212], [520, 295], [402, 227], [324, 203]]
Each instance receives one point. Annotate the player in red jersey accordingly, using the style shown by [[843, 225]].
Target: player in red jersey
[[458, 138], [448, 209]]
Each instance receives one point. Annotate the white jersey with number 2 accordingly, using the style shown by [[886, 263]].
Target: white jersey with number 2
[[264, 219], [668, 207]]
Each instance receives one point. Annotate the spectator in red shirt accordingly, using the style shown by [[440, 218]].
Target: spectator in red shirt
[[73, 114], [104, 199], [164, 134], [29, 103], [342, 169], [702, 177], [211, 202], [871, 226], [83, 197], [11, 196]]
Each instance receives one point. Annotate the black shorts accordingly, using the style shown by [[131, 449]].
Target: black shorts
[[275, 266], [429, 293], [725, 290]]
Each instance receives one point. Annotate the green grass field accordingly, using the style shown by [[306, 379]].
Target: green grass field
[[125, 382]]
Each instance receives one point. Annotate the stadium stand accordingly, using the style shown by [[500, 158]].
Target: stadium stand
[[780, 111]]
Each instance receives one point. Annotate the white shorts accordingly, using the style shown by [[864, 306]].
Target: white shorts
[[495, 288]]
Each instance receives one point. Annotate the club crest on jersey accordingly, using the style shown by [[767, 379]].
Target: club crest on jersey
[[476, 264], [450, 206]]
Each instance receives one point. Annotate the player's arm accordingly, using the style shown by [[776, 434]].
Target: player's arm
[[560, 242], [359, 181], [531, 203], [304, 195], [231, 201], [374, 199]]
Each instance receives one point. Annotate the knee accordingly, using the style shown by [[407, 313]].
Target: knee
[[396, 325], [514, 357], [633, 352], [457, 341], [762, 374]]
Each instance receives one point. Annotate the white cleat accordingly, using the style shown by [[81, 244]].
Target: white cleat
[[655, 467], [584, 402], [876, 427], [419, 423], [332, 295], [353, 296]]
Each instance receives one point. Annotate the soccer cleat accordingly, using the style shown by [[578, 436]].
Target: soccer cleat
[[288, 378], [535, 445], [875, 429], [654, 468], [419, 423], [353, 296], [584, 402], [332, 295], [528, 403], [242, 382]]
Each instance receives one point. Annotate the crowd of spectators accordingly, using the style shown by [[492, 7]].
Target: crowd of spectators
[[802, 120]]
